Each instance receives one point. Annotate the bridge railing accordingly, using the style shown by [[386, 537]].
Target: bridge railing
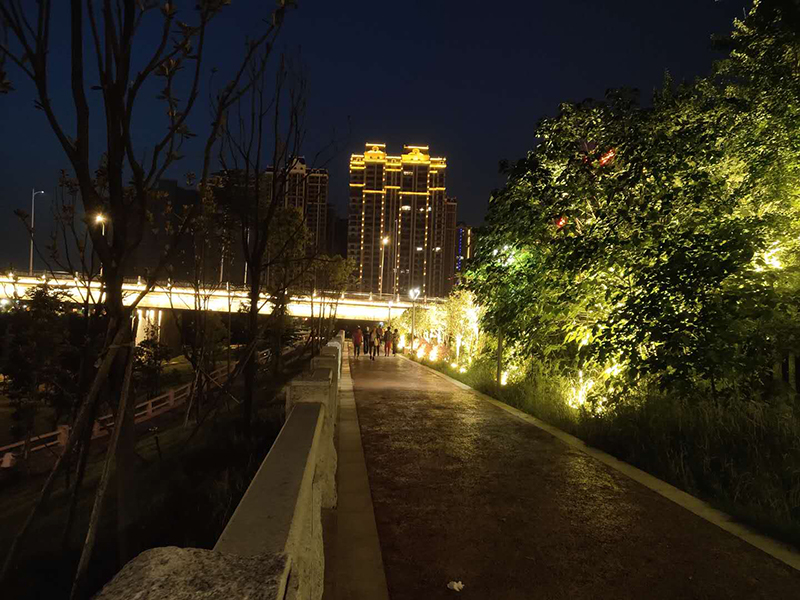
[[144, 411], [273, 543]]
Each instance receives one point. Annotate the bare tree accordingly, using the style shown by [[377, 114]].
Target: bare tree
[[120, 181], [262, 146]]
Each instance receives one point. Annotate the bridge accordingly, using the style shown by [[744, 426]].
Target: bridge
[[352, 306]]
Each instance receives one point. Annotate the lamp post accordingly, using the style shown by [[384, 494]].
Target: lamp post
[[413, 294], [100, 218], [384, 242], [33, 219], [221, 264]]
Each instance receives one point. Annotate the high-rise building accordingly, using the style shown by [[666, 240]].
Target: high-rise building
[[306, 189], [464, 248], [398, 221]]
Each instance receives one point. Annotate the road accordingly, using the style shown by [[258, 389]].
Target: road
[[465, 491]]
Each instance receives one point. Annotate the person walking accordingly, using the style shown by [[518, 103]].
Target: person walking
[[373, 344], [366, 341], [387, 341], [358, 340], [395, 339], [378, 340]]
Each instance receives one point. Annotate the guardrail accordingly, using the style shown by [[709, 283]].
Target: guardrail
[[272, 546], [144, 411]]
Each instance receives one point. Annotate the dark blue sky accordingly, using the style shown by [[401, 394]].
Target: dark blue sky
[[470, 79]]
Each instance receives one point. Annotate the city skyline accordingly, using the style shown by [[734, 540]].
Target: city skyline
[[520, 81]]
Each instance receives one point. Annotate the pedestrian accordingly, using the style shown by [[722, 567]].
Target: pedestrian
[[378, 340], [358, 339], [366, 342], [373, 344], [376, 344], [395, 339], [387, 341]]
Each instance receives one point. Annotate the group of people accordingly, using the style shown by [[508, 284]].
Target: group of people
[[372, 340]]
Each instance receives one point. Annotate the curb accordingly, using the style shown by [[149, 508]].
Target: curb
[[779, 550]]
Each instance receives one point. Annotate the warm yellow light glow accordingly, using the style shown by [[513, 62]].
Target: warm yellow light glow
[[769, 259], [434, 354], [421, 351], [401, 343], [580, 391], [504, 378], [385, 240], [454, 365], [99, 219], [462, 370], [613, 370]]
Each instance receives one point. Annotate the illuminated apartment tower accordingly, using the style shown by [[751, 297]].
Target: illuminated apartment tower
[[398, 219], [464, 249], [307, 189]]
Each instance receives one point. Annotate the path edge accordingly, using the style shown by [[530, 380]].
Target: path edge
[[775, 548], [360, 573]]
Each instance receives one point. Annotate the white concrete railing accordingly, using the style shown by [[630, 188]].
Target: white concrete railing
[[104, 425], [272, 547]]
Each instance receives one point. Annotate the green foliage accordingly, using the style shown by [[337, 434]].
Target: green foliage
[[148, 363], [39, 363], [661, 238]]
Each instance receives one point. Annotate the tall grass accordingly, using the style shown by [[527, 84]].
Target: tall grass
[[742, 456]]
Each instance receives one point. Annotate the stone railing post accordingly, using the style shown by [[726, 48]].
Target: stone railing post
[[63, 435], [317, 386]]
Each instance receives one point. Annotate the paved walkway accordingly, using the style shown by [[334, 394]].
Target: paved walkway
[[463, 490]]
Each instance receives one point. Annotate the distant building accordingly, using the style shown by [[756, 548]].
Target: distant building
[[306, 189], [337, 233], [464, 248], [398, 221]]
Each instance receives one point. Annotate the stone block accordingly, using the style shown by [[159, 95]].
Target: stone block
[[191, 573], [327, 361], [309, 386]]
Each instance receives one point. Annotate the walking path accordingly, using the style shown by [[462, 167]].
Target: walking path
[[463, 490]]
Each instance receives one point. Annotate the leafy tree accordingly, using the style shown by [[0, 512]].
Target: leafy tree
[[149, 357], [36, 365], [656, 243]]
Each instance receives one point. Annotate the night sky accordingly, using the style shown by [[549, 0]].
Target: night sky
[[470, 79]]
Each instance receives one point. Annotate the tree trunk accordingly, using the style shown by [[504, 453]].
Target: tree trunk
[[113, 453], [251, 366], [83, 458], [127, 506]]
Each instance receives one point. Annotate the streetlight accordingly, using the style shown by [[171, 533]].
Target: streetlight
[[384, 242], [100, 218], [33, 217], [413, 294]]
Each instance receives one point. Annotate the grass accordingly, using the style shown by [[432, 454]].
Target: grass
[[742, 457]]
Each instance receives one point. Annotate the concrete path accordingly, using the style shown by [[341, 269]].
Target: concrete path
[[353, 564], [463, 490]]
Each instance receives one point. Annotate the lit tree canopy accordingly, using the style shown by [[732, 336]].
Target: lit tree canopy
[[658, 241]]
